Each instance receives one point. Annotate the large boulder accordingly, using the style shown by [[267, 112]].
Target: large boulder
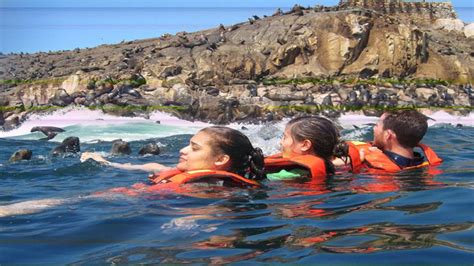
[[449, 24], [11, 122], [71, 84], [469, 30], [61, 98]]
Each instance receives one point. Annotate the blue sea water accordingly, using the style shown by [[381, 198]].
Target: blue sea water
[[416, 217], [51, 29]]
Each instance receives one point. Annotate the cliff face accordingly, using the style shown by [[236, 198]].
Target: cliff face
[[336, 42], [344, 42], [420, 10]]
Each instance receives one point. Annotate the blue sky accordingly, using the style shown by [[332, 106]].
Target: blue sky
[[180, 3]]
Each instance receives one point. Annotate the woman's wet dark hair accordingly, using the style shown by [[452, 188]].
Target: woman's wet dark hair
[[322, 133], [245, 159]]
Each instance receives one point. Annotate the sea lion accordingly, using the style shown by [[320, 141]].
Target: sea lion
[[69, 145], [19, 155], [150, 148], [120, 147], [50, 132]]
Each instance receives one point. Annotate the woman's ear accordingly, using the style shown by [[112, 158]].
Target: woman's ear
[[222, 160], [306, 145]]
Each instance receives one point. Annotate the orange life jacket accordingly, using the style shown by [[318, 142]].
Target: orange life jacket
[[207, 176], [354, 156], [376, 159], [172, 181], [313, 164]]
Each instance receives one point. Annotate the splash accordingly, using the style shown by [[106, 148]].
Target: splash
[[442, 117], [265, 136], [92, 125], [438, 117], [29, 207]]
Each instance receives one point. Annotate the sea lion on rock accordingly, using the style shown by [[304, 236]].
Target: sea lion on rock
[[365, 95], [50, 132]]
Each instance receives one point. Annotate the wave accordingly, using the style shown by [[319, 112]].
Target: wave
[[94, 125]]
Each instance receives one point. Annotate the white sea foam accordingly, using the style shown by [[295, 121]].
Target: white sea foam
[[29, 207], [437, 117], [94, 125], [267, 136], [349, 120], [442, 117]]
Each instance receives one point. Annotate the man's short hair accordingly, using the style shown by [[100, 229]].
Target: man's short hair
[[409, 125]]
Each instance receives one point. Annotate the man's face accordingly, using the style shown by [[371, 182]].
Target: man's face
[[379, 133]]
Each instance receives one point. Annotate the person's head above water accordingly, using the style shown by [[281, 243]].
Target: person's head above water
[[222, 148], [403, 128], [312, 135]]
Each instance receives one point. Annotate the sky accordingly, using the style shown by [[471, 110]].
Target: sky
[[181, 3]]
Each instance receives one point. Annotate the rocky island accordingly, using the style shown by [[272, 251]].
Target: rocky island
[[361, 55]]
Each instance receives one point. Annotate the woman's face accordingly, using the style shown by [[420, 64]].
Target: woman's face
[[198, 155], [289, 146]]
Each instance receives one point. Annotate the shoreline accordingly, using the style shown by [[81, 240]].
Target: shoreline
[[80, 116], [244, 102]]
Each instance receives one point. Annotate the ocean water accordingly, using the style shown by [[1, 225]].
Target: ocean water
[[420, 217], [51, 29]]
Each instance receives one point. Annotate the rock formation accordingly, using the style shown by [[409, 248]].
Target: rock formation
[[227, 73]]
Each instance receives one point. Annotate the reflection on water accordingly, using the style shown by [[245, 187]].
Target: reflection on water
[[415, 216], [387, 237], [258, 225], [249, 243]]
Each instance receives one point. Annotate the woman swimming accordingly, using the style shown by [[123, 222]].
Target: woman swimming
[[212, 148], [214, 153], [308, 146]]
